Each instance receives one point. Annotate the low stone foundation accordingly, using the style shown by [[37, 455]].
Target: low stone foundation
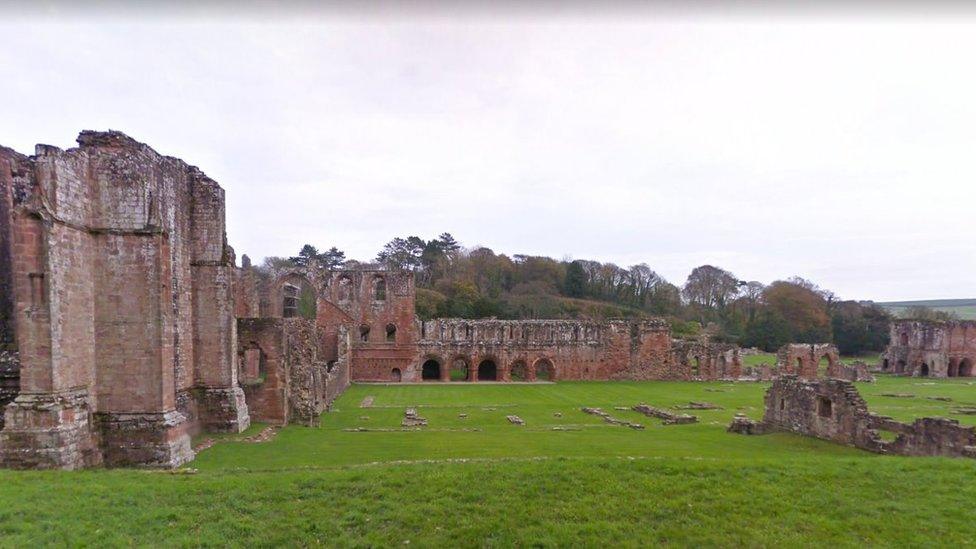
[[144, 440], [50, 431]]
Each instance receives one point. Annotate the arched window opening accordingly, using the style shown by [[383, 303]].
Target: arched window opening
[[344, 290], [391, 333], [364, 333], [824, 407], [517, 372], [395, 375], [379, 289], [431, 370], [544, 370], [289, 301], [904, 339], [487, 371], [459, 370]]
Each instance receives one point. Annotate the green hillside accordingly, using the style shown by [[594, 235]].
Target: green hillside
[[965, 309]]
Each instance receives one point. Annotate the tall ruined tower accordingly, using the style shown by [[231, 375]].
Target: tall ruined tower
[[122, 301]]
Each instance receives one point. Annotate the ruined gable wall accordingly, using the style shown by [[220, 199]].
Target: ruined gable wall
[[268, 392], [706, 360]]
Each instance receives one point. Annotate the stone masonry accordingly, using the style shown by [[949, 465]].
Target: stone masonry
[[832, 409], [122, 305], [931, 349]]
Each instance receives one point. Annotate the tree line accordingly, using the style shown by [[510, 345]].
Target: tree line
[[453, 281]]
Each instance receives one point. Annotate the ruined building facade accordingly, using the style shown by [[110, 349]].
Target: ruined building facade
[[119, 287], [931, 349], [387, 343]]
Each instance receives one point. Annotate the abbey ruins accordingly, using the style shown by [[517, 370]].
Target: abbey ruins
[[128, 326]]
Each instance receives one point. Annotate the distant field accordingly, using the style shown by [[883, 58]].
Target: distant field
[[565, 478], [965, 309]]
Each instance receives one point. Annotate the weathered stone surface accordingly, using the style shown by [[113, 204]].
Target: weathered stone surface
[[50, 431], [931, 349], [668, 417], [832, 409]]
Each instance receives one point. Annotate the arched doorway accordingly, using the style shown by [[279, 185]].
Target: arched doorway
[[966, 368], [799, 366], [459, 369], [695, 367], [924, 370], [900, 367], [884, 365], [487, 371], [953, 369], [395, 375], [517, 371], [723, 364], [431, 370], [544, 370]]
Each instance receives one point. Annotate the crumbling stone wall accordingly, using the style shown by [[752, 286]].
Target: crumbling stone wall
[[122, 302], [282, 372], [803, 359], [706, 360], [564, 349], [931, 349], [832, 409]]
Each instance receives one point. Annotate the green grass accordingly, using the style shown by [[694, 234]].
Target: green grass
[[870, 358], [481, 481]]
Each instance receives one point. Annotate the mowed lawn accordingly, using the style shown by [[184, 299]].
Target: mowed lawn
[[565, 478]]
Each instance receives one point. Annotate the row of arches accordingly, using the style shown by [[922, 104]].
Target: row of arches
[[956, 368], [460, 369], [298, 295]]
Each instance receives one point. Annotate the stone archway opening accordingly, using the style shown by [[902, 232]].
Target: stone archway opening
[[430, 370], [799, 366], [966, 368], [923, 371], [487, 370], [952, 370], [396, 375], [518, 371], [544, 370], [695, 367], [885, 365], [459, 369], [900, 367]]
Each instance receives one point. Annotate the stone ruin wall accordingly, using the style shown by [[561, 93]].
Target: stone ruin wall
[[707, 361], [284, 375], [567, 349], [832, 409], [931, 349], [121, 280]]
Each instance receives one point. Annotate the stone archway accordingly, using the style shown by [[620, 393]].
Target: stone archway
[[487, 370], [460, 369], [396, 375], [430, 370], [923, 370], [518, 371], [965, 368], [544, 370]]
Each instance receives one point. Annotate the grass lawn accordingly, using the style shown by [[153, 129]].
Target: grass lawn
[[770, 359], [481, 481]]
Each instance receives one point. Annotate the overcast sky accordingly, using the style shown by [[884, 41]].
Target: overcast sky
[[837, 147]]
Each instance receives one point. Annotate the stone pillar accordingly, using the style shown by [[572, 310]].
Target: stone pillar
[[50, 424], [221, 402]]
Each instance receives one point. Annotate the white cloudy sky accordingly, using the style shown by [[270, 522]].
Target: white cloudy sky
[[838, 147]]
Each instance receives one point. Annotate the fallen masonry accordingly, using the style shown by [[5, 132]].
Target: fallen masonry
[[832, 409], [412, 419], [610, 419], [699, 406], [515, 420], [669, 418]]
